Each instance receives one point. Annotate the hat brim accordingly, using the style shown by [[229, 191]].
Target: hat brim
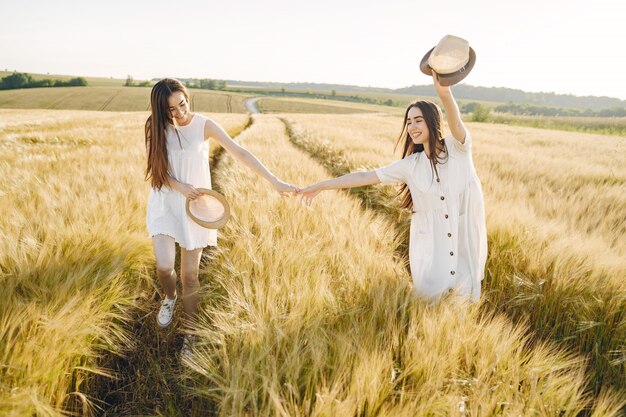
[[447, 80], [216, 224]]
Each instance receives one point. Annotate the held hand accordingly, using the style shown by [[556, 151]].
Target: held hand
[[308, 193], [189, 191], [285, 189], [441, 90]]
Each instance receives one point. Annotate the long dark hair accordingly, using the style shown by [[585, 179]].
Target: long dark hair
[[157, 170], [436, 145]]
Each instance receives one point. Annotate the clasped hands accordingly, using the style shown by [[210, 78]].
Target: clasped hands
[[306, 193]]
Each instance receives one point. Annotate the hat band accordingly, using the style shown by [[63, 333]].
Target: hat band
[[458, 71]]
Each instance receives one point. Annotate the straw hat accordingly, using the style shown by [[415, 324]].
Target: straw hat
[[452, 59], [210, 210]]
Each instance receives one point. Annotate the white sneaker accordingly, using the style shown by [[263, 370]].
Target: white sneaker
[[166, 312], [188, 342]]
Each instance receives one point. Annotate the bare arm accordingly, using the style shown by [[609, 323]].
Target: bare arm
[[452, 110], [354, 179], [189, 191], [213, 130]]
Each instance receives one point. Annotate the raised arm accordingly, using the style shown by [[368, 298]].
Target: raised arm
[[354, 179], [452, 110], [215, 131]]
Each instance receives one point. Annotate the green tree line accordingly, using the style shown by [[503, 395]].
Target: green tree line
[[130, 82], [534, 110], [23, 80], [205, 83], [319, 95], [505, 95], [461, 91]]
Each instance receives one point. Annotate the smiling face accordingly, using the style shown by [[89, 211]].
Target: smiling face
[[179, 108], [416, 126]]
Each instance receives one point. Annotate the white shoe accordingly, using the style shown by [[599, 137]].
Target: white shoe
[[188, 342], [166, 312]]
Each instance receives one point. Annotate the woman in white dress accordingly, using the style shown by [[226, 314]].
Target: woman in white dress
[[178, 164], [448, 239]]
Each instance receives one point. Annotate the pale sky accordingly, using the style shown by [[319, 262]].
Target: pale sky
[[562, 46]]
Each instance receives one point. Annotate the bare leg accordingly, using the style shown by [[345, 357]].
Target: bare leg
[[189, 266], [165, 254]]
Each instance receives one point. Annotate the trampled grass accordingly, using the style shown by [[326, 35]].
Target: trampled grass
[[113, 99], [74, 253], [555, 213]]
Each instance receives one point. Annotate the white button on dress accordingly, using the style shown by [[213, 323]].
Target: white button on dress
[[188, 156], [448, 235]]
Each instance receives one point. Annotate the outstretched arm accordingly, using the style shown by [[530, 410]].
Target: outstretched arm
[[215, 131], [452, 110], [355, 179]]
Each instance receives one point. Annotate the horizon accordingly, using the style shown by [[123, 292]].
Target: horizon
[[314, 82], [348, 43]]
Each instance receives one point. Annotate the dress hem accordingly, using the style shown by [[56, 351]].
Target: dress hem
[[179, 244]]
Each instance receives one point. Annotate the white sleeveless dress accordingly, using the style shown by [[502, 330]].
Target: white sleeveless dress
[[189, 163], [448, 236]]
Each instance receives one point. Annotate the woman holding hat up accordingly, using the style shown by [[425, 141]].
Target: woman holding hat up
[[178, 165], [448, 240]]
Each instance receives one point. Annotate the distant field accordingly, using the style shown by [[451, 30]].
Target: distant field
[[602, 125], [342, 97], [339, 93], [405, 99], [109, 94], [113, 99], [319, 106]]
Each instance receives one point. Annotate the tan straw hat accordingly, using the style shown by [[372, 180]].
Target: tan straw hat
[[210, 210], [452, 59]]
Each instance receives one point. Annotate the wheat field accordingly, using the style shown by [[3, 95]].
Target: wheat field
[[556, 219], [307, 311], [74, 255], [109, 98]]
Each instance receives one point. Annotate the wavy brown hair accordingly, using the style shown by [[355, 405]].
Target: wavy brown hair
[[157, 170], [434, 120]]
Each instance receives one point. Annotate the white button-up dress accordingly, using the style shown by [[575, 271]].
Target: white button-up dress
[[448, 236], [188, 163]]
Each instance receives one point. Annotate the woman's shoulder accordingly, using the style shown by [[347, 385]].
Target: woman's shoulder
[[409, 162], [455, 144], [198, 118], [205, 120], [449, 136], [202, 121], [411, 157]]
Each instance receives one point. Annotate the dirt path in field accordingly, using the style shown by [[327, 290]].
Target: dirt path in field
[[148, 377], [251, 105], [149, 381], [378, 199]]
